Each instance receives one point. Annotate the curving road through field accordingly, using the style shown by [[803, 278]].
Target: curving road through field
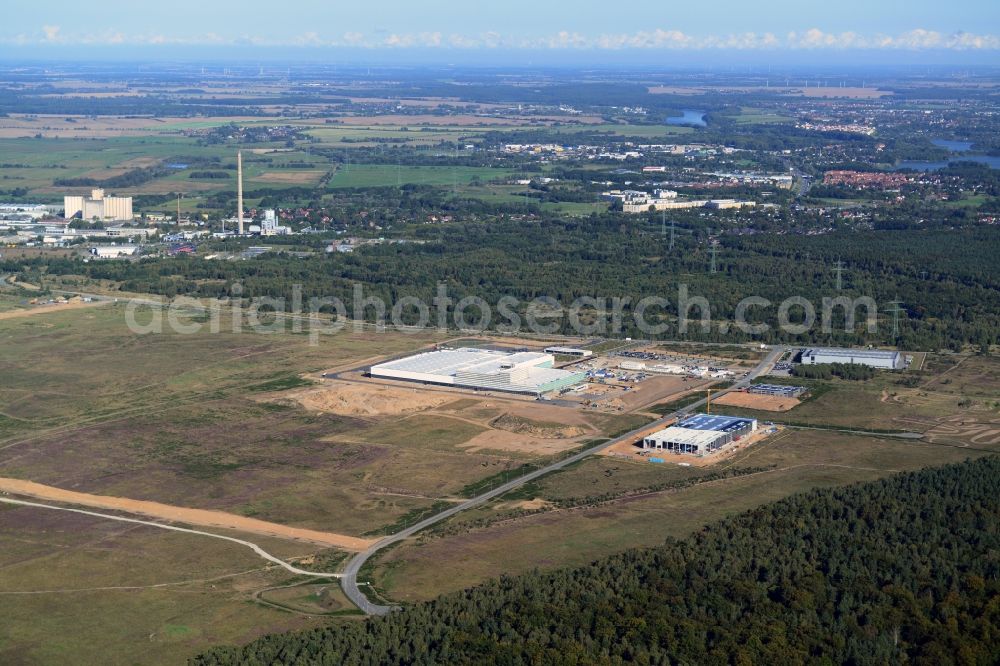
[[173, 528]]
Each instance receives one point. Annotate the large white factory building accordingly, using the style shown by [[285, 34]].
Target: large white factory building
[[515, 372]]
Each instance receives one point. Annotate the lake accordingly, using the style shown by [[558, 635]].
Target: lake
[[690, 117], [990, 160], [953, 146]]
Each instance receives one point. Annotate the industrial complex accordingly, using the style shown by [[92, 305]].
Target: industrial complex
[[700, 434], [875, 358], [522, 372], [98, 206]]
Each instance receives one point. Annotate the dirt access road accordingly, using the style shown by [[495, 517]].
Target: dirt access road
[[200, 517], [49, 309]]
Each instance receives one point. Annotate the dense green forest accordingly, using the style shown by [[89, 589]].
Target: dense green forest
[[902, 570], [946, 280]]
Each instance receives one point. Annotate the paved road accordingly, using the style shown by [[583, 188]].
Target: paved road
[[349, 579]]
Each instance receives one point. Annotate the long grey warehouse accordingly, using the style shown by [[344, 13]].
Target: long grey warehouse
[[875, 358]]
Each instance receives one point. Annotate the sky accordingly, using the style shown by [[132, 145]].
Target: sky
[[967, 29]]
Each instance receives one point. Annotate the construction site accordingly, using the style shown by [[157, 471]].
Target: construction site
[[614, 382], [522, 397]]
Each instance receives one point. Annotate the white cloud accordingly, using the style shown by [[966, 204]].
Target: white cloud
[[659, 38], [51, 33]]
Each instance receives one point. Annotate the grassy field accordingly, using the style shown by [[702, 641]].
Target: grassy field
[[202, 421], [206, 421], [752, 116], [188, 412], [36, 164], [908, 401], [389, 175], [77, 589], [475, 547], [603, 505], [644, 131]]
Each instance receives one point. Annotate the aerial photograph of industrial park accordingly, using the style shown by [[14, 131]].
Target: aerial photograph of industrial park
[[517, 333]]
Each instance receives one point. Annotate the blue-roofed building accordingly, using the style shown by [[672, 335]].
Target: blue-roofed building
[[700, 434], [717, 423]]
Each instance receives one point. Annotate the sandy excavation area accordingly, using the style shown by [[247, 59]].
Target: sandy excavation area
[[349, 399], [196, 517], [767, 403], [504, 440]]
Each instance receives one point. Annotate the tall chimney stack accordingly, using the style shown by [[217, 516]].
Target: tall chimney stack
[[239, 191]]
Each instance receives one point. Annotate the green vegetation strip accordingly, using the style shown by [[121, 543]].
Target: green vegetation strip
[[882, 570]]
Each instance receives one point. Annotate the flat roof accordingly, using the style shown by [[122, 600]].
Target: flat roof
[[568, 350], [685, 436], [448, 362], [854, 353], [713, 423], [776, 387]]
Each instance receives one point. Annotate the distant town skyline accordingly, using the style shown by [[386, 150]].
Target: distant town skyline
[[46, 27]]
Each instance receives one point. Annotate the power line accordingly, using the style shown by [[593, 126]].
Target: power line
[[895, 310]]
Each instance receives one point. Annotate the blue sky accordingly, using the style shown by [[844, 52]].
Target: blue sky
[[969, 26]]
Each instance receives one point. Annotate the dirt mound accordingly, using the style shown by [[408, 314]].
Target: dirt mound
[[179, 514], [360, 400], [524, 427]]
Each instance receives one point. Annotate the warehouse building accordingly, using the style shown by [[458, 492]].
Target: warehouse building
[[529, 373], [875, 358], [114, 251], [569, 351], [779, 390], [700, 434]]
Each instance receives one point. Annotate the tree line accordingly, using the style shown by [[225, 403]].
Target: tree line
[[902, 570]]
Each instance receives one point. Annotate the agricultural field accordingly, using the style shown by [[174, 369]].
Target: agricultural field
[[386, 175], [75, 587]]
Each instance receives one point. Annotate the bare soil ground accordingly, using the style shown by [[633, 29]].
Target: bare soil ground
[[525, 427], [48, 309], [503, 440], [966, 430], [767, 403], [638, 396], [199, 517], [289, 177], [350, 399]]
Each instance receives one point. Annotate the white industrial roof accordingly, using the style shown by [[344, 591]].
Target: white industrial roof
[[686, 436], [447, 362], [854, 353]]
